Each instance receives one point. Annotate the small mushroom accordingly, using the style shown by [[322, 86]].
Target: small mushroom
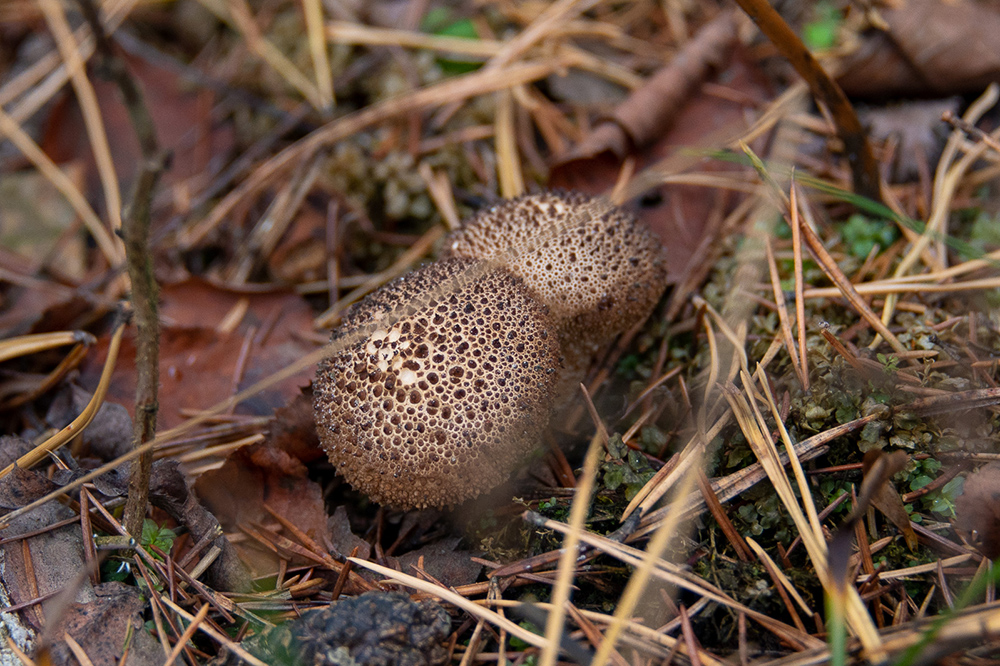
[[446, 388], [599, 270]]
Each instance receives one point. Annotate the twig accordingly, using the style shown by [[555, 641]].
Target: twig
[[970, 129], [135, 232], [864, 168], [800, 306], [833, 272]]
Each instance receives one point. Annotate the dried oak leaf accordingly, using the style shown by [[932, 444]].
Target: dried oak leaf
[[977, 509]]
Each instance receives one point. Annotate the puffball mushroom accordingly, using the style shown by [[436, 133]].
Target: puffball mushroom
[[599, 270], [446, 389]]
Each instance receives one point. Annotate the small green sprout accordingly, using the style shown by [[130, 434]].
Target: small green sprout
[[821, 33]]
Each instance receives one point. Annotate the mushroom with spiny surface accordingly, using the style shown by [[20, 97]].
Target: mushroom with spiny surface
[[597, 267], [446, 388]]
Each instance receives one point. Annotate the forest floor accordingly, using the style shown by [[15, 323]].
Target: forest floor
[[794, 459]]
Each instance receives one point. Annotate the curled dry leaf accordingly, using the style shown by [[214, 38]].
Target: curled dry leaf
[[977, 509], [649, 111]]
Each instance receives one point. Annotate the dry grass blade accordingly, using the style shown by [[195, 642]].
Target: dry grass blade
[[458, 88], [965, 626], [737, 541], [356, 33], [946, 182], [439, 188], [888, 288], [654, 552], [678, 576], [552, 17], [857, 148], [110, 247], [755, 430], [783, 579], [832, 270], [89, 106], [567, 560], [186, 636], [400, 266], [634, 628], [455, 599], [238, 15], [40, 82], [68, 433], [78, 651], [786, 326], [219, 637], [38, 342], [313, 10], [508, 161], [736, 483], [800, 302], [20, 654]]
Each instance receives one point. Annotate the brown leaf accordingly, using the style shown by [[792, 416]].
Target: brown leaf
[[683, 216], [198, 363], [102, 627], [270, 473], [441, 560], [343, 537], [977, 509], [884, 495], [931, 48], [183, 119]]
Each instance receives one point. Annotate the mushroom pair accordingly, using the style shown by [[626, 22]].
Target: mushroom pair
[[447, 376]]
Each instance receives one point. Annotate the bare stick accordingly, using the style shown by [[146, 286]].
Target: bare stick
[[864, 168], [135, 232]]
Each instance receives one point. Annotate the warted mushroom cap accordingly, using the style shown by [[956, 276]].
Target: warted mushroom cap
[[598, 269], [444, 385]]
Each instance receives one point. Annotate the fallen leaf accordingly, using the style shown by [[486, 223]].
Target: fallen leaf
[[680, 215], [343, 537], [977, 509], [268, 474], [103, 626], [884, 495], [443, 562], [199, 363], [184, 125], [931, 48]]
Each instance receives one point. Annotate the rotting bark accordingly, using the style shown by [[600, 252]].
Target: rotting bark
[[864, 168], [139, 263]]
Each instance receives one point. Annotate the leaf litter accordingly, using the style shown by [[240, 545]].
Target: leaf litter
[[318, 204]]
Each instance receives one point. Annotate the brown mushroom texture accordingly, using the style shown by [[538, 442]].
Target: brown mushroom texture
[[445, 392], [599, 270]]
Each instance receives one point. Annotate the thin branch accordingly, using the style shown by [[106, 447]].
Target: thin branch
[[139, 261]]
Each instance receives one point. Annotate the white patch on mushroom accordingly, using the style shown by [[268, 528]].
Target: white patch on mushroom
[[407, 377]]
